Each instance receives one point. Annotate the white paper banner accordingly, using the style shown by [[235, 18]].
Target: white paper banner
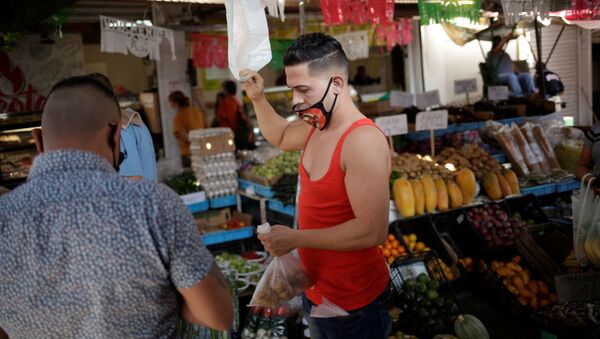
[[355, 44], [432, 120], [122, 36]]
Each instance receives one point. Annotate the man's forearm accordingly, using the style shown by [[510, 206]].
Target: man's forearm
[[352, 235], [271, 124]]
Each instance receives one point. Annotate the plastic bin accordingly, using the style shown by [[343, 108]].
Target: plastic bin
[[425, 231], [567, 186], [528, 207], [278, 206], [263, 191], [198, 207], [215, 238], [226, 201], [539, 190]]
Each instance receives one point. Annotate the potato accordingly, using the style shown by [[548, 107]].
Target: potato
[[518, 282], [543, 288], [525, 293], [533, 286], [515, 267]]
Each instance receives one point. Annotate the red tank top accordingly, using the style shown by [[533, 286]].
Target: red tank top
[[350, 280]]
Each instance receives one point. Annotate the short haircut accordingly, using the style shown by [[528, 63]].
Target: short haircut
[[102, 78], [230, 87], [320, 51], [179, 98], [79, 107]]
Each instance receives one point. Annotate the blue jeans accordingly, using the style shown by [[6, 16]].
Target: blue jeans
[[370, 322], [520, 83]]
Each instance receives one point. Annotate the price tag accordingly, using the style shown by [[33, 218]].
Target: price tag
[[193, 198], [428, 99], [401, 99], [497, 93], [393, 125], [465, 86], [428, 121]]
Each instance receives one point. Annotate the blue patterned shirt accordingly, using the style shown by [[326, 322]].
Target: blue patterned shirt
[[85, 253]]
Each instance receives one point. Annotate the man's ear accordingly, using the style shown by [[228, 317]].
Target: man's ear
[[36, 133], [338, 82]]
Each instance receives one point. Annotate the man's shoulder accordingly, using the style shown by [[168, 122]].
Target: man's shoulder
[[148, 189]]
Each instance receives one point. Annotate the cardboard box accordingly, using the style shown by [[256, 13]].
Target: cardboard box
[[213, 220], [151, 106], [210, 145], [248, 175], [377, 108]]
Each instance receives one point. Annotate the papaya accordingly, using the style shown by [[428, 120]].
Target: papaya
[[404, 197], [431, 196], [511, 178], [419, 195], [454, 194], [442, 193], [504, 185], [491, 186], [465, 178]]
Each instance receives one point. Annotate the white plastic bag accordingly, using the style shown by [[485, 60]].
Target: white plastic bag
[[586, 215], [283, 279], [247, 35], [327, 309]]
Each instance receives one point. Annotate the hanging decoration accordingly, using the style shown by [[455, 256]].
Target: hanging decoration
[[209, 50], [276, 9], [584, 10], [437, 11], [355, 44], [398, 33], [515, 11], [278, 47], [122, 36], [358, 12]]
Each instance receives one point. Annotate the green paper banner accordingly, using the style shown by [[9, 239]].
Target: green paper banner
[[437, 11], [278, 47]]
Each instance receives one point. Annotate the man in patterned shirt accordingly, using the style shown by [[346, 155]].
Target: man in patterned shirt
[[85, 253]]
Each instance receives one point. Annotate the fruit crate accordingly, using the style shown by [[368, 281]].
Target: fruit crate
[[215, 238], [278, 206], [263, 191], [539, 190], [198, 206], [567, 186], [570, 320], [422, 292], [529, 209]]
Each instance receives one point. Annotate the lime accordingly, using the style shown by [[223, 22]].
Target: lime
[[410, 284], [423, 278], [421, 288], [433, 285], [432, 295]]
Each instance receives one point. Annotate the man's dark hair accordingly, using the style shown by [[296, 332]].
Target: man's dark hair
[[180, 99], [320, 51], [230, 87], [496, 40], [103, 79], [86, 80]]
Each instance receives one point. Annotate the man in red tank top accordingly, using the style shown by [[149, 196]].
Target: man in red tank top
[[344, 195]]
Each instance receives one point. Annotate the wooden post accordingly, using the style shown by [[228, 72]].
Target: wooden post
[[432, 142], [391, 141]]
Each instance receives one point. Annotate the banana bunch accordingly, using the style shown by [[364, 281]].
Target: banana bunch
[[592, 249], [570, 261]]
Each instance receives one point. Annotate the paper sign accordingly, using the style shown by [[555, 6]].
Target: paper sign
[[393, 125], [432, 120], [496, 93], [193, 198], [401, 99], [465, 86], [428, 99], [410, 271], [578, 287]]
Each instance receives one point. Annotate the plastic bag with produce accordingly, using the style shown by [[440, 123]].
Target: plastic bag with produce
[[283, 279], [586, 216]]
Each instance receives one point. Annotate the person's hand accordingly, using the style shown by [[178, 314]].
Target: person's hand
[[280, 240], [254, 86]]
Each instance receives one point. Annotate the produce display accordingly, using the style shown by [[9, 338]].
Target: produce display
[[518, 281], [233, 225], [267, 323], [236, 263], [184, 183], [284, 163], [470, 156], [428, 194], [413, 166], [499, 185], [494, 225], [425, 304], [285, 189], [445, 270], [392, 249]]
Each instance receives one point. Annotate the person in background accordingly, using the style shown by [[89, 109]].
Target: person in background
[[361, 78], [229, 113], [186, 120], [99, 255], [139, 160], [344, 201], [501, 67]]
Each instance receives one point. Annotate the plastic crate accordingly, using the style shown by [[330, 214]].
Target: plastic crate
[[226, 201], [568, 186], [215, 238], [539, 190], [263, 191], [199, 206], [423, 228], [408, 299], [278, 206], [528, 207]]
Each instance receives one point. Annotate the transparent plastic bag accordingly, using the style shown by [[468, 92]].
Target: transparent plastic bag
[[248, 36], [283, 279], [586, 214], [327, 309]]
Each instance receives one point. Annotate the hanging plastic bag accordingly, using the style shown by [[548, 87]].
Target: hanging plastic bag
[[248, 36], [327, 309], [585, 213], [283, 279]]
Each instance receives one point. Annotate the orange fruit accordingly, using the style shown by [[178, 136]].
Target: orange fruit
[[412, 237], [419, 246], [386, 253], [391, 237], [390, 260], [395, 244], [388, 247], [395, 252], [401, 250]]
